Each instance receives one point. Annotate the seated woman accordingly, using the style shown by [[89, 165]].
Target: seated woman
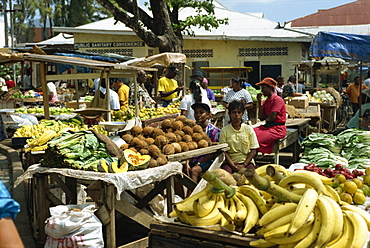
[[273, 111], [196, 166], [241, 139]]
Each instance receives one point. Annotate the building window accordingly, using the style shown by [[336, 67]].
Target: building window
[[150, 52], [199, 53], [263, 51], [126, 52]]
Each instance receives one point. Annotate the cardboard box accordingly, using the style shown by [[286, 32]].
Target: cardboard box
[[298, 102]]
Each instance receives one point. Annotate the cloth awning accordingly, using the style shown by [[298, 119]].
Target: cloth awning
[[352, 47], [158, 60]]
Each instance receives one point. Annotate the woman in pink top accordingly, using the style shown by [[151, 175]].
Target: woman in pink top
[[273, 111]]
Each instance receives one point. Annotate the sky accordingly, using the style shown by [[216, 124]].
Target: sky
[[282, 10]]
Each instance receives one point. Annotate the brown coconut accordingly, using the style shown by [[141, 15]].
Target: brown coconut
[[127, 138], [179, 132], [188, 130], [187, 138], [136, 130], [166, 124], [154, 151], [144, 151], [189, 122], [157, 132], [191, 145], [135, 141], [178, 138], [180, 118], [197, 129], [177, 125], [152, 163], [177, 147], [202, 143], [132, 149], [196, 137], [147, 131], [194, 144], [149, 141], [124, 146], [204, 135], [161, 141], [184, 146], [162, 160], [171, 137], [141, 145], [141, 137], [168, 149]]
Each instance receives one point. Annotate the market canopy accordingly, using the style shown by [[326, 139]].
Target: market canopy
[[353, 47], [158, 60]]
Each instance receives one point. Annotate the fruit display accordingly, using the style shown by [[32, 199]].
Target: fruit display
[[173, 136], [279, 209], [80, 150], [52, 110], [350, 148], [145, 113]]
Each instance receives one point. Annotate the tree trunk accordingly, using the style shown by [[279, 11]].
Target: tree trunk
[[170, 43]]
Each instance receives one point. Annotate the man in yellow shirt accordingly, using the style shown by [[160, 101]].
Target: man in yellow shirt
[[168, 87], [353, 91], [123, 93]]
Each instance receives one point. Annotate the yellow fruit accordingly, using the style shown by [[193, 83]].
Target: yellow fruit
[[359, 198], [341, 178], [339, 190], [358, 182], [346, 198], [367, 171], [365, 189], [367, 179], [350, 187]]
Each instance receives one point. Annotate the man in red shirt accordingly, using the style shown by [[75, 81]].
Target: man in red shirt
[[9, 82]]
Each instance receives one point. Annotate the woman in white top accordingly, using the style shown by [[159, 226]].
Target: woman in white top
[[237, 94], [197, 96]]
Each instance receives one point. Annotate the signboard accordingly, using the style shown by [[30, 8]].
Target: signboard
[[109, 44]]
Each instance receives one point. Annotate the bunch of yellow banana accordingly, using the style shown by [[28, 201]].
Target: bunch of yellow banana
[[40, 143], [318, 219]]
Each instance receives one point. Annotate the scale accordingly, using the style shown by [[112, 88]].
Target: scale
[[92, 116]]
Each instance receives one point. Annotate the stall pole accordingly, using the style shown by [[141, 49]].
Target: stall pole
[[296, 76], [360, 97], [44, 85], [135, 98], [77, 89], [107, 94]]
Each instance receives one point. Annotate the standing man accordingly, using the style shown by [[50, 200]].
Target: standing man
[[146, 100], [168, 87], [123, 93], [353, 91]]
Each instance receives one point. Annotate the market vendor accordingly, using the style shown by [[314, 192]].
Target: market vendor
[[9, 82], [200, 164], [142, 92], [353, 91], [52, 92], [168, 87], [289, 88], [113, 96], [197, 95], [272, 111], [123, 92], [240, 138]]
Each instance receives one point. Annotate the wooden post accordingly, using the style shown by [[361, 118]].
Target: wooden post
[[44, 90], [42, 206], [170, 192], [111, 227], [107, 95]]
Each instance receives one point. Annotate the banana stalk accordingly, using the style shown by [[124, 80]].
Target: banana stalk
[[212, 179], [264, 184]]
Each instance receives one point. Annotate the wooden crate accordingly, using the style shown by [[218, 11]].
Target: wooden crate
[[178, 236]]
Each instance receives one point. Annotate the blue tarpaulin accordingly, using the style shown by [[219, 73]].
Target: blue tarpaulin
[[353, 47], [63, 67]]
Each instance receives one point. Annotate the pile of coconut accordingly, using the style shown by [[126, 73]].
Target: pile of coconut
[[173, 136]]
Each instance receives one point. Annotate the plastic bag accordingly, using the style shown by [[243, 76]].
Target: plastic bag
[[73, 226]]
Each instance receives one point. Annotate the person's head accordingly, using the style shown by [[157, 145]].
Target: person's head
[[292, 79], [236, 83], [172, 71], [356, 80], [236, 110], [267, 86], [141, 76], [7, 77], [195, 88], [202, 112], [117, 84], [280, 80], [197, 75], [204, 85]]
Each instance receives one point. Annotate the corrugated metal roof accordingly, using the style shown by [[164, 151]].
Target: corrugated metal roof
[[354, 13], [241, 26]]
